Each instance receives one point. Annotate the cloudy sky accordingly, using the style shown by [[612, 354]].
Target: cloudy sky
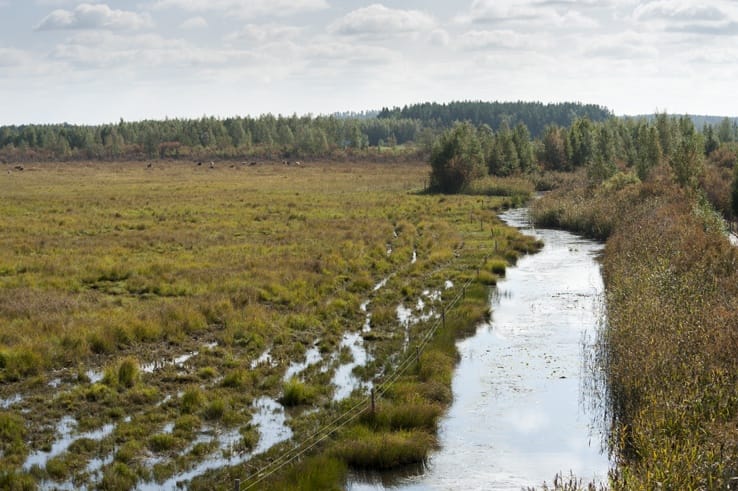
[[99, 61]]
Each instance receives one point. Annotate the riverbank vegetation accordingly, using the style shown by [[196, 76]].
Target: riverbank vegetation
[[667, 353], [149, 316]]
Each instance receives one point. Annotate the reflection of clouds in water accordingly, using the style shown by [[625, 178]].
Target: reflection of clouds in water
[[529, 420], [516, 419]]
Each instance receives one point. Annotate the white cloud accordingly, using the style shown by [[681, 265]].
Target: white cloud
[[439, 37], [497, 39], [94, 16], [559, 14], [264, 33], [376, 19], [245, 8], [629, 45], [194, 23], [55, 3], [10, 57], [714, 18]]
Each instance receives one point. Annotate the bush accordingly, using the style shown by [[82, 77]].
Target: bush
[[191, 400], [368, 450], [456, 159], [296, 393], [215, 410], [161, 442], [128, 372]]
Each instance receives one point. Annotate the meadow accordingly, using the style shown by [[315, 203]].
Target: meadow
[[159, 306]]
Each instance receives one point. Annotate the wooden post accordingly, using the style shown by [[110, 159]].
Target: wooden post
[[373, 403], [237, 485], [417, 352], [443, 317]]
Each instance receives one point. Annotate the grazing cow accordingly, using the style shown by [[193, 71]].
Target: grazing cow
[[212, 164], [252, 163], [149, 165], [18, 167], [298, 163], [199, 162]]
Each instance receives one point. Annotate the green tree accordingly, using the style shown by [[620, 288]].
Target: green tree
[[554, 154], [725, 131], [711, 141], [581, 142], [456, 159], [602, 165], [686, 160], [524, 148], [734, 192], [648, 150]]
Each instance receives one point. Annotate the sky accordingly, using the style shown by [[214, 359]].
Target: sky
[[99, 61]]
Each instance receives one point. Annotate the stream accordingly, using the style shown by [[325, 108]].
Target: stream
[[519, 414]]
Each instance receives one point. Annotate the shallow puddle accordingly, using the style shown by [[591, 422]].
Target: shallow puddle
[[65, 429], [312, 356], [270, 420], [344, 379], [518, 416]]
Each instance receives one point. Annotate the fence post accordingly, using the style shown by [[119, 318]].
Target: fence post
[[373, 406], [443, 317], [237, 485]]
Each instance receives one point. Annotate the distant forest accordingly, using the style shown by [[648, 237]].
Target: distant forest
[[399, 133], [535, 115]]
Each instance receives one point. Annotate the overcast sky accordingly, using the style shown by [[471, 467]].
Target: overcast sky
[[99, 61]]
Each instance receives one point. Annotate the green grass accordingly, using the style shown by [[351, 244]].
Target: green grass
[[296, 392]]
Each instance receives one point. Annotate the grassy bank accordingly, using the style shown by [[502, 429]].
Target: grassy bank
[[668, 351], [142, 299]]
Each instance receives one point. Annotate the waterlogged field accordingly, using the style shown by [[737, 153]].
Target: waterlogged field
[[160, 324]]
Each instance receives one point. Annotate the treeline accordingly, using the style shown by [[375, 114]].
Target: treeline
[[267, 136], [534, 115], [409, 131], [604, 148]]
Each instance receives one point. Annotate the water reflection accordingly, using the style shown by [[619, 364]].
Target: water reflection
[[517, 417]]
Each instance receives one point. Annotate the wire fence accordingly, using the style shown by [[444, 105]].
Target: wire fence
[[350, 414]]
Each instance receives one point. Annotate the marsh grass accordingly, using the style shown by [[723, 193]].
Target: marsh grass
[[296, 392], [110, 267]]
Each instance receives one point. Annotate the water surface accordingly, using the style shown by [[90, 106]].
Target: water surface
[[518, 416]]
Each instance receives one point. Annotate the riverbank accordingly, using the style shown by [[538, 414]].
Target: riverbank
[[668, 351], [518, 416]]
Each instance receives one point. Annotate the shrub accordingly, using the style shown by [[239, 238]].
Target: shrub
[[296, 393], [128, 372], [118, 477], [12, 437], [191, 401], [215, 410], [383, 450], [161, 442], [456, 159]]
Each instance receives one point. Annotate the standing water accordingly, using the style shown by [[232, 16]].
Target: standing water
[[518, 416]]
